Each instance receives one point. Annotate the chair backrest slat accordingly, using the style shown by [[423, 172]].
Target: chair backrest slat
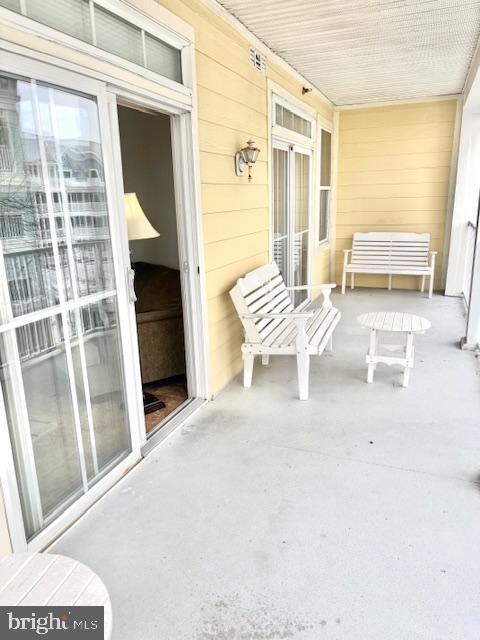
[[390, 248], [262, 290]]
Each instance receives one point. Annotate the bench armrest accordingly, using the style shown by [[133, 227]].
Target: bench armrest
[[278, 316], [347, 250], [433, 253], [302, 287]]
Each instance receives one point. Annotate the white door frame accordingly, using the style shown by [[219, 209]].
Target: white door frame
[[188, 235], [30, 64], [282, 138], [18, 65], [291, 149]]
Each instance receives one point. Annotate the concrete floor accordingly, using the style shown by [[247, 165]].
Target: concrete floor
[[353, 516]]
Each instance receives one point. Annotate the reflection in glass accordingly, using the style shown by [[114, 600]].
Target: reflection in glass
[[51, 176], [324, 214], [301, 191], [42, 378], [326, 159], [105, 431], [280, 208], [61, 375], [300, 265]]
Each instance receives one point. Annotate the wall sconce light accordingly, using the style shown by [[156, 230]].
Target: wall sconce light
[[246, 157]]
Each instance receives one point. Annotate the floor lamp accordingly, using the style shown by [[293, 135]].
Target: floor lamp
[[139, 228]]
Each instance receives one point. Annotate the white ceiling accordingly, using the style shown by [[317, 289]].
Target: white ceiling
[[358, 51]]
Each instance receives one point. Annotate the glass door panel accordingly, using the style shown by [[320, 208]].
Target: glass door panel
[[280, 209], [301, 210], [291, 210], [61, 366]]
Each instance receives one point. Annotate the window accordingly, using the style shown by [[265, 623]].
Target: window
[[90, 22], [325, 185], [93, 173], [292, 121]]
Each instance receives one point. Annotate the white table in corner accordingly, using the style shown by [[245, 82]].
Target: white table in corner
[[395, 322], [46, 579]]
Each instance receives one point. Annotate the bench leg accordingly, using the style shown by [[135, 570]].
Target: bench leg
[[422, 288], [265, 359], [247, 369], [430, 290], [303, 369], [352, 280], [390, 282], [344, 281]]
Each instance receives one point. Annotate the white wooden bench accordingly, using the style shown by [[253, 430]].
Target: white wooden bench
[[395, 253], [273, 326]]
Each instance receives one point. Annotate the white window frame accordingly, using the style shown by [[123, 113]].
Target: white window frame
[[178, 101], [323, 126], [130, 15]]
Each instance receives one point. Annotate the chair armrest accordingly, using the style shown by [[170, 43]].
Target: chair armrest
[[312, 286], [433, 253], [278, 316], [347, 250]]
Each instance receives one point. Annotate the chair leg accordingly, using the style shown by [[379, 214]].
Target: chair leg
[[390, 282], [344, 281], [352, 280], [422, 288], [330, 344], [247, 369], [303, 369], [430, 290], [265, 359]]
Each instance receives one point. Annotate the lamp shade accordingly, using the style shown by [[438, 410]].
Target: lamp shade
[[139, 228]]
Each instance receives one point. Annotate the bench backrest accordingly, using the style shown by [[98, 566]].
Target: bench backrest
[[261, 291], [390, 248]]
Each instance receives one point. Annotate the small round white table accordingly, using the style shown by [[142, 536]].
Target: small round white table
[[396, 322], [46, 579]]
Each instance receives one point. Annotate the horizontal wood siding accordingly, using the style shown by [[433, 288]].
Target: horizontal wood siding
[[232, 107], [393, 175]]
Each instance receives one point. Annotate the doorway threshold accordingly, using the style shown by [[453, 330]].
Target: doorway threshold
[[171, 424]]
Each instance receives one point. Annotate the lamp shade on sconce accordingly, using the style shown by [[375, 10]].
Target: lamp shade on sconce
[[139, 228]]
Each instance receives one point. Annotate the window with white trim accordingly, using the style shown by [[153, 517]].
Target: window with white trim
[[92, 23], [325, 188]]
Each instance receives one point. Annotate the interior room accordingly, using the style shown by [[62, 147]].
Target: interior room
[[145, 140]]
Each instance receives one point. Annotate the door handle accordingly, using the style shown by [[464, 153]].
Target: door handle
[[131, 284]]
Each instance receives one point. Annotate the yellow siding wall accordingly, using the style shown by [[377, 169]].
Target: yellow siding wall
[[394, 165], [232, 107]]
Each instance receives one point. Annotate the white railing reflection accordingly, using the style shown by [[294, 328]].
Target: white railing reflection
[[33, 286]]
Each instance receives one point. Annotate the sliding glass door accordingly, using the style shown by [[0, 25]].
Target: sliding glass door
[[291, 212], [61, 364]]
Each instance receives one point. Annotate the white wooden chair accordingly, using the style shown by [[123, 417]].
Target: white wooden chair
[[394, 253], [273, 326]]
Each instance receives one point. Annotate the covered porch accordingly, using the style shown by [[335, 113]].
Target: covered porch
[[353, 515]]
